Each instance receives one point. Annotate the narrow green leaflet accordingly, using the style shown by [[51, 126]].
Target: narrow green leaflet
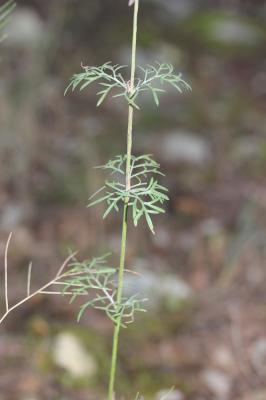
[[107, 75]]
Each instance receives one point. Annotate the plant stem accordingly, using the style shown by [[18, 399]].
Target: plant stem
[[132, 79], [125, 212], [118, 300]]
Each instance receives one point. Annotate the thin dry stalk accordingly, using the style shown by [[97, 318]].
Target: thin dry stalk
[[42, 290]]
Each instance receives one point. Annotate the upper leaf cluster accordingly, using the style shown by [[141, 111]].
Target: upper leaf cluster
[[145, 196], [110, 78]]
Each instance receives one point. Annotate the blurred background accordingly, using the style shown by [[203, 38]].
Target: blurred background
[[204, 270]]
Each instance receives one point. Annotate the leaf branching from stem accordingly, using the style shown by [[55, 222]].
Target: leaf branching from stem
[[81, 279], [96, 274], [145, 196], [111, 80]]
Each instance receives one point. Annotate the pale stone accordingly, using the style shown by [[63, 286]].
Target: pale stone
[[235, 32], [223, 358], [218, 383], [258, 355], [178, 147], [25, 28], [156, 287], [169, 395], [70, 354]]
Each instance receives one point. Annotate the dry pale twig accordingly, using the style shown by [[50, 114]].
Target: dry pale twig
[[43, 290], [6, 282]]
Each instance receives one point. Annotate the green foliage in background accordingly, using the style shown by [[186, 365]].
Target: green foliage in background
[[5, 11]]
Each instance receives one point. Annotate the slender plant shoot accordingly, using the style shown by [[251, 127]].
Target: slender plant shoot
[[132, 187], [133, 184]]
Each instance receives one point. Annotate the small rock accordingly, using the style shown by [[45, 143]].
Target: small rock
[[236, 32], [184, 147], [157, 288], [13, 215], [179, 147], [226, 30], [69, 353], [163, 238], [218, 383], [169, 395], [25, 28], [223, 358], [258, 355]]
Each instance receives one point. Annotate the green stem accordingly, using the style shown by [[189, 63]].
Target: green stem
[[125, 212], [118, 300]]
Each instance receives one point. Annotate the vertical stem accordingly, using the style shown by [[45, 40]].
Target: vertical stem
[[132, 79], [118, 300], [125, 212]]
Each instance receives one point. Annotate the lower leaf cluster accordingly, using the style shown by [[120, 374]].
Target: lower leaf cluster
[[97, 281]]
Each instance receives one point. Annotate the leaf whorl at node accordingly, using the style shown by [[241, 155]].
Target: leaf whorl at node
[[96, 275], [145, 195], [110, 78]]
